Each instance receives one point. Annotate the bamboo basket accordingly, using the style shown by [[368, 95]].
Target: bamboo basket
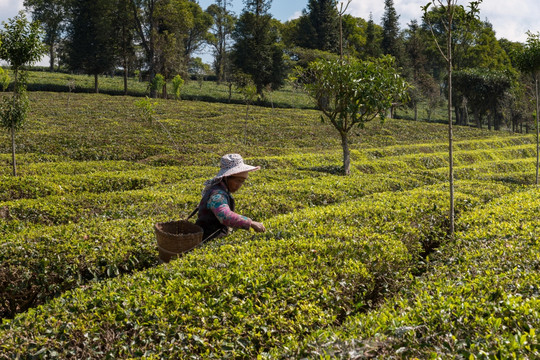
[[176, 237]]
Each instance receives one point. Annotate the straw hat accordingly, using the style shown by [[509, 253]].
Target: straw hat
[[232, 164]]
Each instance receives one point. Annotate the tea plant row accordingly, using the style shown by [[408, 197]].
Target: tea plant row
[[248, 294], [479, 300]]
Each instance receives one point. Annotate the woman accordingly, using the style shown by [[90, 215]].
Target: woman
[[216, 209]]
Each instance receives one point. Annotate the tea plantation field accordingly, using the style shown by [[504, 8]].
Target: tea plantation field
[[350, 267]]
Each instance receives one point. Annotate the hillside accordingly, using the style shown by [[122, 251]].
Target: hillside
[[350, 267]]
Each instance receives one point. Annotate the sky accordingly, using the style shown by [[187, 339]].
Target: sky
[[510, 19]]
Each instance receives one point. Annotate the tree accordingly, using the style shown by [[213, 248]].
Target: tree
[[318, 27], [529, 61], [221, 32], [373, 48], [415, 51], [92, 48], [125, 33], [20, 45], [449, 10], [391, 43], [161, 27], [256, 51], [146, 27], [197, 34], [52, 16], [484, 90], [351, 93]]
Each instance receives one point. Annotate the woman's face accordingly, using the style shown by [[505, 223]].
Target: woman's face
[[235, 182]]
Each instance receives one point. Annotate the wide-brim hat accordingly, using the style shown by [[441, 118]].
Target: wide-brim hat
[[232, 164]]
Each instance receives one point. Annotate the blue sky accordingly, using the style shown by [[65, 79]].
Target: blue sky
[[510, 19]]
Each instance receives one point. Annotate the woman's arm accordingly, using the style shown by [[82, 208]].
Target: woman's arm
[[217, 203]]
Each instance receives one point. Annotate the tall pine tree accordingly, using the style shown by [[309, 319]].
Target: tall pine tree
[[256, 51], [318, 28], [391, 42], [372, 48]]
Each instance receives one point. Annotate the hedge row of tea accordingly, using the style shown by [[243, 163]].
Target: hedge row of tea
[[248, 294], [479, 300], [101, 218], [95, 177]]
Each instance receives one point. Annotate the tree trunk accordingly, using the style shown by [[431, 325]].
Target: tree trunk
[[537, 132], [478, 119], [125, 76], [14, 162], [96, 87], [346, 153], [450, 133], [51, 57], [415, 111], [164, 91]]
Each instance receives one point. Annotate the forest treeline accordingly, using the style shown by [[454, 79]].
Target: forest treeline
[[150, 37]]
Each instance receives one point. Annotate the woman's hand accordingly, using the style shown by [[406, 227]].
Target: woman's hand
[[257, 226]]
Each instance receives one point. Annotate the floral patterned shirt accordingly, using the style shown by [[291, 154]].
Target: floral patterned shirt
[[218, 204]]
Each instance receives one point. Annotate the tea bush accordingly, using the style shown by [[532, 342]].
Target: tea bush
[[343, 268], [478, 301]]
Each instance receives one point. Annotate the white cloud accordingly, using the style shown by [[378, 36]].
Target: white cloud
[[510, 19], [10, 8], [296, 15]]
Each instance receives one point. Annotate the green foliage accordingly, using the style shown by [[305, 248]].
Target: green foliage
[[256, 51], [21, 42], [4, 79], [351, 93], [156, 84], [528, 58], [147, 109], [90, 46], [479, 299], [484, 89], [177, 83], [354, 255], [13, 111], [318, 27]]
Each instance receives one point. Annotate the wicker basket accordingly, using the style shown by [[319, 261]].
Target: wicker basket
[[176, 237]]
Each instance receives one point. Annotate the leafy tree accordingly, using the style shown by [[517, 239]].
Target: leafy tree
[[20, 45], [529, 61], [256, 51], [197, 34], [177, 82], [351, 93], [52, 15], [92, 47], [221, 32], [486, 52], [354, 35], [415, 52], [161, 26], [450, 11], [125, 35], [484, 90], [146, 27]]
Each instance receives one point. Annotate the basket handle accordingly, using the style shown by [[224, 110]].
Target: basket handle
[[193, 213]]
